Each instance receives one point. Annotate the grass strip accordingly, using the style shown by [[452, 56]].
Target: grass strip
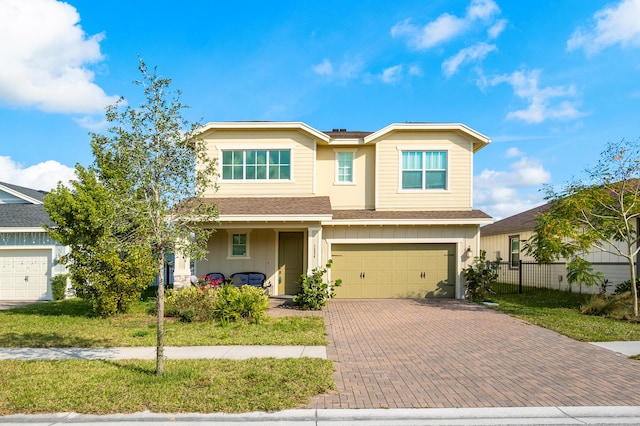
[[560, 311], [70, 323], [194, 386]]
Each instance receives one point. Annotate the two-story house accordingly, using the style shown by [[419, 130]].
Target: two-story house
[[391, 208]]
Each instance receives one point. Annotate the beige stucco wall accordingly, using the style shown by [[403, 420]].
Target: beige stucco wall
[[457, 196], [302, 161], [359, 194]]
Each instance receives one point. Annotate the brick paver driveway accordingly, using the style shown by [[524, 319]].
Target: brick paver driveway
[[432, 353]]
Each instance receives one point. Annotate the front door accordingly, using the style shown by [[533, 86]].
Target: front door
[[290, 261]]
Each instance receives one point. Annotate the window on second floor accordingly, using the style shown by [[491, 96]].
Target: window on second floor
[[255, 164], [344, 166], [514, 252], [424, 170]]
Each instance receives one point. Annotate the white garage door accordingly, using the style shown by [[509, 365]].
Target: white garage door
[[24, 274]]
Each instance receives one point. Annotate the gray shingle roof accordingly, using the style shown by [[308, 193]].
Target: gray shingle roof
[[33, 193], [25, 215], [376, 214], [524, 221], [272, 205]]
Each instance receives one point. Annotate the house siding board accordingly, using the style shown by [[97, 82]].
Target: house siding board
[[302, 158], [458, 194], [359, 195]]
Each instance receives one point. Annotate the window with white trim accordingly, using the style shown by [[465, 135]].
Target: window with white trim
[[514, 252], [344, 166], [424, 170], [239, 244], [256, 164]]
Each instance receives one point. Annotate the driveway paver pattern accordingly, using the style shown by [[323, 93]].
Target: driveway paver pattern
[[400, 353]]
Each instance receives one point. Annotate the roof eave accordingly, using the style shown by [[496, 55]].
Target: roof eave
[[480, 140], [264, 125], [355, 222]]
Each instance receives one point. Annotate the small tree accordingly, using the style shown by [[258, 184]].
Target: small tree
[[151, 172], [480, 276], [600, 211], [581, 271]]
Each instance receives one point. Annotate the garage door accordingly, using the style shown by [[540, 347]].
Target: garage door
[[24, 274], [394, 270]]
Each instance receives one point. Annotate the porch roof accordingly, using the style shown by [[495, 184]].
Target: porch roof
[[233, 209]]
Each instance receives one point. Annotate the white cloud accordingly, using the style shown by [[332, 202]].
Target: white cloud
[[45, 58], [91, 123], [619, 24], [324, 68], [474, 53], [415, 70], [496, 29], [503, 193], [392, 74], [348, 69], [513, 152], [541, 106], [44, 176], [446, 26]]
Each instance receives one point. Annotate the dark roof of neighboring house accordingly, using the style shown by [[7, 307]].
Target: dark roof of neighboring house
[[524, 221], [272, 205], [33, 193], [346, 134], [377, 214], [23, 216]]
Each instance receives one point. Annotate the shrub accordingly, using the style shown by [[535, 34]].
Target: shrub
[[314, 291], [480, 276], [224, 304], [59, 287], [625, 286], [234, 303], [190, 304]]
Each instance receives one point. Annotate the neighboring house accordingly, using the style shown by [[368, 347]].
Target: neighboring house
[[391, 208], [505, 239], [27, 254]]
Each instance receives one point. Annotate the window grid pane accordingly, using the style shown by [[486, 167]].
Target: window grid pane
[[256, 164], [424, 170], [345, 167], [239, 245]]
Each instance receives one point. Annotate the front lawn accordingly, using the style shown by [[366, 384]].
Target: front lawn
[[70, 323], [204, 386], [560, 311]]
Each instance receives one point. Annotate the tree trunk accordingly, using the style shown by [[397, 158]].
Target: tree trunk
[[634, 289], [160, 322]]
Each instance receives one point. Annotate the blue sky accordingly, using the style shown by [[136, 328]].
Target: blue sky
[[549, 81]]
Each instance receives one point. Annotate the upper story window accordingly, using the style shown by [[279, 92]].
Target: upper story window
[[344, 166], [424, 169], [514, 252], [274, 164]]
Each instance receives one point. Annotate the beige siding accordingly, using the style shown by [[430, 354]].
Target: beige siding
[[302, 159], [360, 194], [262, 254], [460, 156]]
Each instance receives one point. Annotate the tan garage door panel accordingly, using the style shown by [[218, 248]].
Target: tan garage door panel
[[24, 274], [394, 270]]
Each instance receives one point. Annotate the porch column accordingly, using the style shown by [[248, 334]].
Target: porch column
[[181, 271], [314, 248]]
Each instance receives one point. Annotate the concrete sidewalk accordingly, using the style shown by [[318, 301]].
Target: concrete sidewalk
[[375, 417], [170, 352], [624, 348]]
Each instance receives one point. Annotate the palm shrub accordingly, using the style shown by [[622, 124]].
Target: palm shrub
[[314, 290], [480, 276]]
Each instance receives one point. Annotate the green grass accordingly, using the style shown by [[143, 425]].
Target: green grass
[[560, 311], [103, 387], [69, 323]]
